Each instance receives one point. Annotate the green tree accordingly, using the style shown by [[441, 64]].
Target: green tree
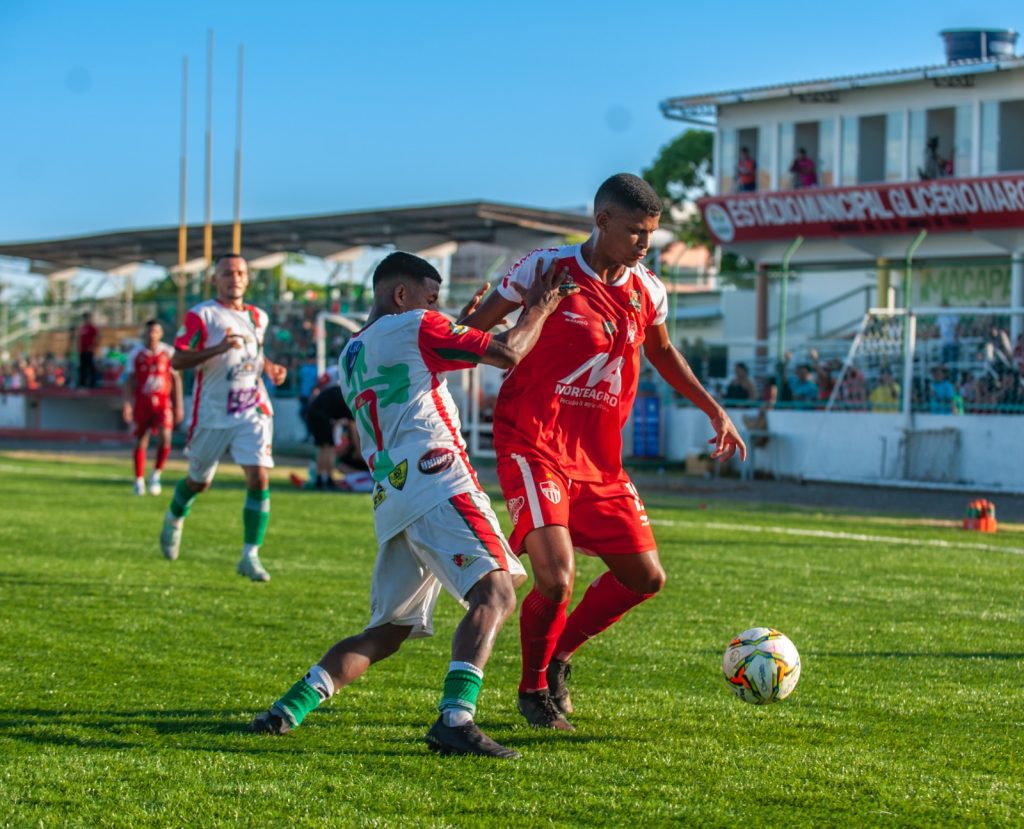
[[681, 174]]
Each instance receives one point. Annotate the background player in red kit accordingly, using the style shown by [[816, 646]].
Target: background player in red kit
[[557, 431], [152, 402]]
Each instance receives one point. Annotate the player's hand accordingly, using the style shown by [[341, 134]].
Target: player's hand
[[276, 372], [230, 341], [727, 439], [550, 286], [472, 305], [126, 412]]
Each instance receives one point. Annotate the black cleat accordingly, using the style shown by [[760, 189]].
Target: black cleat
[[270, 722], [558, 675], [465, 739], [541, 712]]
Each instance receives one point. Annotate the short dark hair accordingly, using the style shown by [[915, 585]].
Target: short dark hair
[[151, 322], [743, 366], [628, 191], [230, 255], [399, 265]]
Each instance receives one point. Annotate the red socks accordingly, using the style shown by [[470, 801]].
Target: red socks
[[162, 453], [541, 622], [605, 602], [140, 462]]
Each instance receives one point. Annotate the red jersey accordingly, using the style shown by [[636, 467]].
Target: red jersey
[[152, 370], [569, 398]]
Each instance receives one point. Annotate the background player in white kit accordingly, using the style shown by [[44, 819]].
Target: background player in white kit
[[222, 339], [435, 526]]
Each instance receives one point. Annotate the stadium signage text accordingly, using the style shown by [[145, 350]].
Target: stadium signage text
[[940, 205]]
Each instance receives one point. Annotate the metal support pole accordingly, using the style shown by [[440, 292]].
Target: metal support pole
[[909, 328], [208, 202], [780, 354], [1016, 294], [236, 231]]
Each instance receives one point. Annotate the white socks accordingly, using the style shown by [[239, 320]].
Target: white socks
[[320, 681]]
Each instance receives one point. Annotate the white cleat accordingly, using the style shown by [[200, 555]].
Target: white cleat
[[140, 486], [170, 538], [250, 567], [154, 486]]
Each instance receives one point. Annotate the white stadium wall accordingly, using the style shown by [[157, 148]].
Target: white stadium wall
[[980, 452]]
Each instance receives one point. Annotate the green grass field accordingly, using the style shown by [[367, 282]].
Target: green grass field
[[128, 680]]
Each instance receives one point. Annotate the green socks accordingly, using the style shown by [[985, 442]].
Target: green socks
[[255, 515], [461, 688], [305, 695], [183, 499]]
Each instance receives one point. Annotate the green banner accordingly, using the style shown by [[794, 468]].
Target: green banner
[[962, 285]]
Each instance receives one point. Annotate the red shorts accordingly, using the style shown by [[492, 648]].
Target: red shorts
[[602, 518], [152, 418]]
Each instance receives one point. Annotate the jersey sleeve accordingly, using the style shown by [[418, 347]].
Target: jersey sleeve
[[448, 346], [192, 335], [659, 297], [523, 272]]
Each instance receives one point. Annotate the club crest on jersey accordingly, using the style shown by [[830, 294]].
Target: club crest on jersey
[[378, 496], [463, 561], [350, 357], [550, 490], [457, 330], [399, 475], [515, 506], [634, 300], [435, 460]]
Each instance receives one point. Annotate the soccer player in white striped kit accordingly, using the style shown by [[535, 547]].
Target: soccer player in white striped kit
[[435, 526], [222, 339]]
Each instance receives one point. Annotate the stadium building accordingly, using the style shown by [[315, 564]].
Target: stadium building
[[885, 215]]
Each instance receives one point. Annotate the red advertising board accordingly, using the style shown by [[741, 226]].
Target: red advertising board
[[941, 205]]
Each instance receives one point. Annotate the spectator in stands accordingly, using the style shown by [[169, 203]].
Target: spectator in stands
[[977, 392], [741, 390], [934, 165], [804, 170], [885, 397], [88, 337], [1018, 354], [853, 393], [805, 390], [943, 397], [998, 353], [746, 172], [1009, 395]]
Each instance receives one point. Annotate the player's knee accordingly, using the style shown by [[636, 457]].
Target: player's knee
[[653, 581], [495, 591], [556, 589], [197, 486]]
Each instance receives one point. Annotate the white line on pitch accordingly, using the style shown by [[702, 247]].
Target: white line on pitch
[[842, 536]]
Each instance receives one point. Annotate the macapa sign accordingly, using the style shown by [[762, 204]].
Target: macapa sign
[[939, 205]]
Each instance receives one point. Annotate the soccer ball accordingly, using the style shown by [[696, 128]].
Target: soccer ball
[[761, 666]]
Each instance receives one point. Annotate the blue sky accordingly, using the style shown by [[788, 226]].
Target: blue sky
[[362, 105]]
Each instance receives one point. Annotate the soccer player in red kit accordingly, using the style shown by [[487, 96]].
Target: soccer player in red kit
[[152, 402], [558, 435]]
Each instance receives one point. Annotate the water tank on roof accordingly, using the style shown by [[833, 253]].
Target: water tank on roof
[[978, 44]]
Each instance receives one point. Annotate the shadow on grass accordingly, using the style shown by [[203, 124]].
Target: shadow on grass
[[127, 730]]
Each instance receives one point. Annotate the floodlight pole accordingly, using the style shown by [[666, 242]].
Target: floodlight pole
[[180, 279], [236, 232], [208, 205]]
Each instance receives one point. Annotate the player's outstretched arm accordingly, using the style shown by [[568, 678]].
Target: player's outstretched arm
[[483, 316], [542, 297], [672, 365], [129, 397]]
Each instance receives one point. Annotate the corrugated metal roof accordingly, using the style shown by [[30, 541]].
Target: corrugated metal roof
[[705, 100]]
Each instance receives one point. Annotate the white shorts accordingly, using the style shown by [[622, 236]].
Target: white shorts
[[249, 442], [454, 545]]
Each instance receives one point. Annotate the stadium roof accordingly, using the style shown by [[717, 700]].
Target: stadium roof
[[700, 107], [408, 228]]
